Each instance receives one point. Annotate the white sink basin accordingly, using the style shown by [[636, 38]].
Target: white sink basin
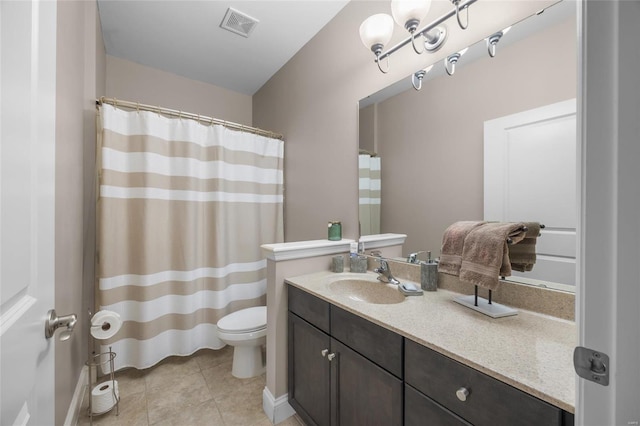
[[363, 290]]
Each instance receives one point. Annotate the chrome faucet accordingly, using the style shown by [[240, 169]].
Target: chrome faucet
[[413, 257], [384, 273]]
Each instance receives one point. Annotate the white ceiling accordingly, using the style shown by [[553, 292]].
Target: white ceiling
[[184, 36]]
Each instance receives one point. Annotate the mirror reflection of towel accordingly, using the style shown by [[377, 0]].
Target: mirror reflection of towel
[[452, 245], [485, 255], [523, 254]]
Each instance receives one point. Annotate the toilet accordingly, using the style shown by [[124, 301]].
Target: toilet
[[246, 331]]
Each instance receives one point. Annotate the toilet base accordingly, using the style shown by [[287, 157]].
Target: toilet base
[[247, 362]]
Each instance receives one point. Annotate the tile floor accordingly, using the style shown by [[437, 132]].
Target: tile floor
[[188, 391]]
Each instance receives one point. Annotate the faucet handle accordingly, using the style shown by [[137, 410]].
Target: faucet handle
[[375, 253], [413, 257], [383, 263]]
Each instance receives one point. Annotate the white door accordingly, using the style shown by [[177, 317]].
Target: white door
[[530, 175], [27, 189]]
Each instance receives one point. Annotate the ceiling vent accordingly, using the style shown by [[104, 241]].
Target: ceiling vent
[[238, 22]]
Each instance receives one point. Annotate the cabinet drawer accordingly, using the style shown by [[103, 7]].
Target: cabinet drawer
[[420, 410], [309, 307], [490, 401], [380, 345]]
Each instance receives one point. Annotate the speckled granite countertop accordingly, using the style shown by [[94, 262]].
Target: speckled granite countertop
[[529, 351]]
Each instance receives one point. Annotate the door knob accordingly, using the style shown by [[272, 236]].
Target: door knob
[[54, 322], [331, 356], [324, 352]]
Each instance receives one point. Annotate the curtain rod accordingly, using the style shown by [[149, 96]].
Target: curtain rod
[[200, 118]]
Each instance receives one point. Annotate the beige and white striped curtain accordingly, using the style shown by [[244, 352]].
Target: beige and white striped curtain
[[182, 212], [369, 194]]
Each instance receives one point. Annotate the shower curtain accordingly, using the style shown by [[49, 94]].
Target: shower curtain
[[182, 211], [369, 194]]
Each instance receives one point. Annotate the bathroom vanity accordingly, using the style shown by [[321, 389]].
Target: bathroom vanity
[[421, 360]]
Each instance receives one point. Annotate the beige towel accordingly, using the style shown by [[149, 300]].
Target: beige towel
[[486, 254], [523, 254], [452, 245]]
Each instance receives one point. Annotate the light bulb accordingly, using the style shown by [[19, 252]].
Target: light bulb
[[376, 31], [409, 13]]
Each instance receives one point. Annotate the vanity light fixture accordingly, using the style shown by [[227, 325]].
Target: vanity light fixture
[[376, 30], [493, 39], [451, 61], [416, 78]]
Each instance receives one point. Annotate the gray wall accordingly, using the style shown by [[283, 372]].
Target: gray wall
[[79, 79], [138, 83], [312, 100], [431, 142]]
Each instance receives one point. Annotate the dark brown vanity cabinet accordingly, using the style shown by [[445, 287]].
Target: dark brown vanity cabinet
[[333, 383], [345, 370]]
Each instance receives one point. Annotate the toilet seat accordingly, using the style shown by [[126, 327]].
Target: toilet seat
[[247, 320]]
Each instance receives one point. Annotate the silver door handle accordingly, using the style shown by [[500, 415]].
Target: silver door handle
[[54, 322]]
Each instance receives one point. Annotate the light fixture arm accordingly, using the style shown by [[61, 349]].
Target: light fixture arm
[[450, 63], [492, 41], [427, 28], [416, 79], [376, 49], [491, 48], [378, 60], [413, 43], [456, 3]]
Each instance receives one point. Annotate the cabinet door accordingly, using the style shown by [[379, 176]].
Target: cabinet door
[[309, 372], [365, 394]]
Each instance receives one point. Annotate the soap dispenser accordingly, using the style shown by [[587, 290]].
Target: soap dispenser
[[429, 274]]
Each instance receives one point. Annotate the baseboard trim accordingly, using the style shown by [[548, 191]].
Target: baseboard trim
[[78, 396], [277, 409]]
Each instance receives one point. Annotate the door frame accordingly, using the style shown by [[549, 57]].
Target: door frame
[[608, 273]]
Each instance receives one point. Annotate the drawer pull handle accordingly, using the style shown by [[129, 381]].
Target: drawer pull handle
[[462, 394], [324, 352], [331, 356]]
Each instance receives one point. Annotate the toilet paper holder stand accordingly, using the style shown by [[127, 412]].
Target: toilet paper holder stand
[[95, 361]]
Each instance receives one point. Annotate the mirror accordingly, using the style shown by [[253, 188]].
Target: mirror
[[428, 145]]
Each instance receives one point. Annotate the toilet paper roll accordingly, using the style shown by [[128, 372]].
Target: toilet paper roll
[[105, 324], [104, 396]]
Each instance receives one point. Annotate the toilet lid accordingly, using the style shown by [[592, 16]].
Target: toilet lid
[[244, 320]]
